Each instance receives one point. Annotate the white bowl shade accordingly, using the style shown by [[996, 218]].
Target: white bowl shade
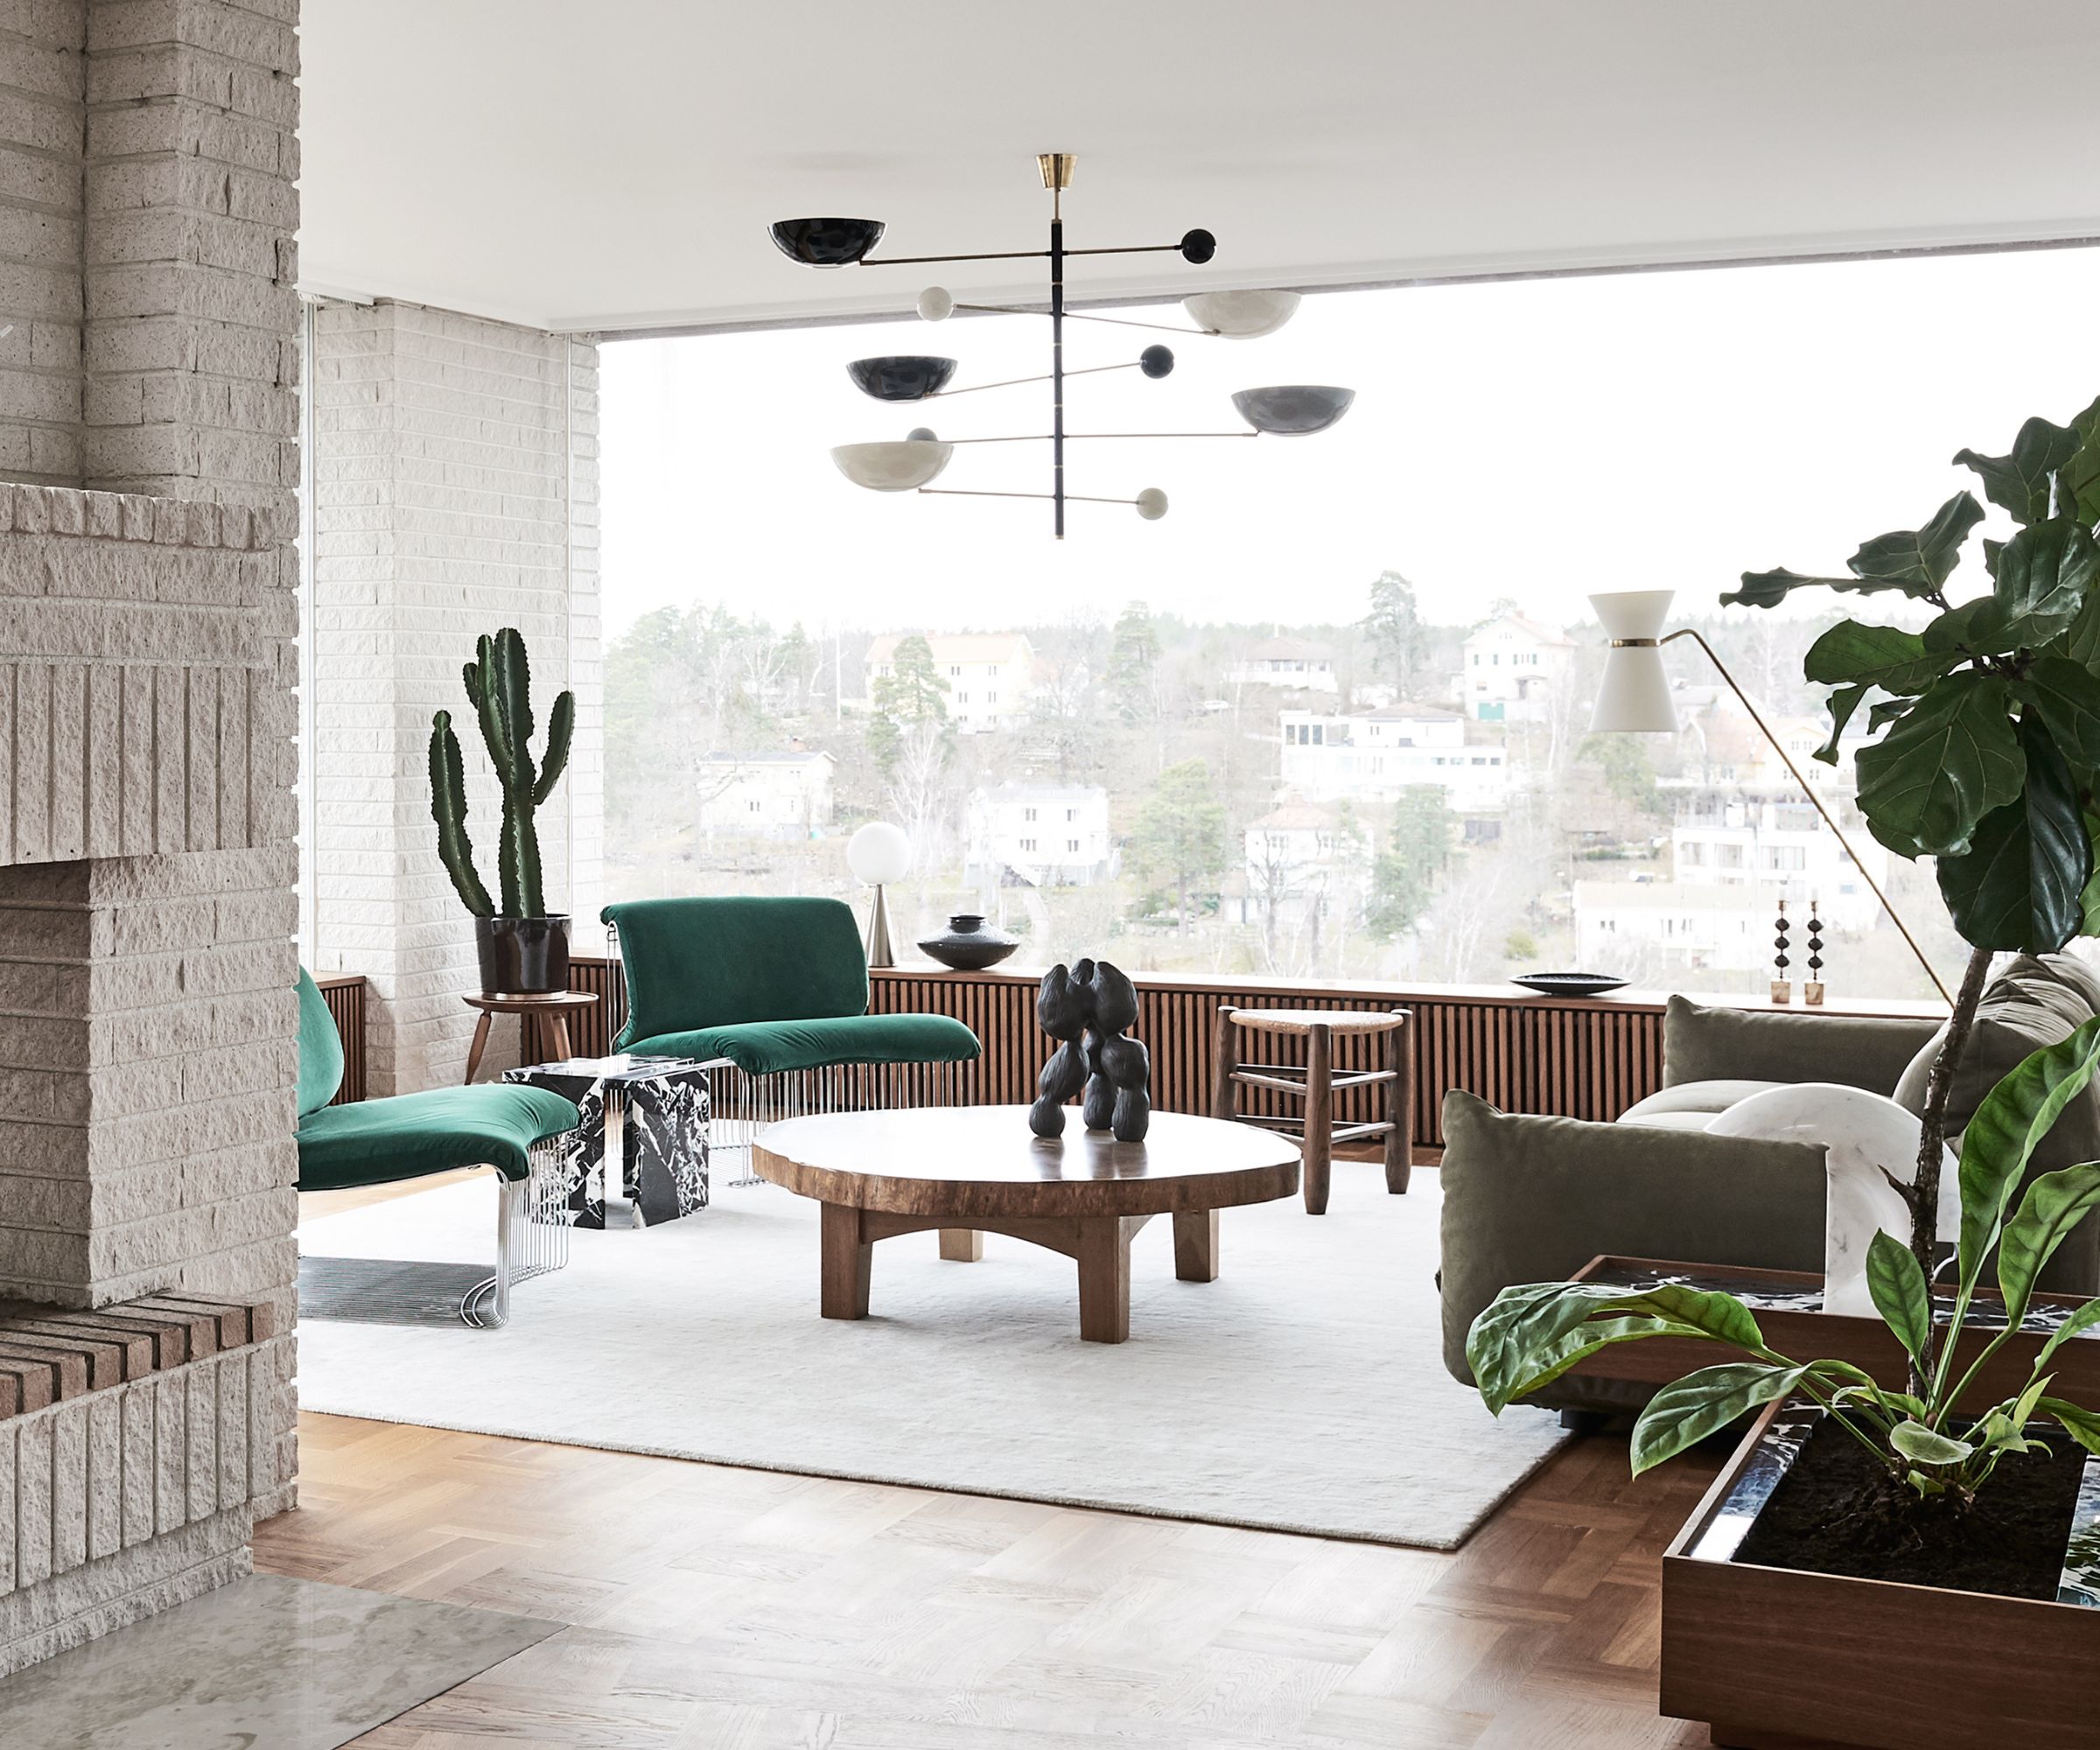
[[1241, 315], [879, 853], [892, 467], [1634, 696]]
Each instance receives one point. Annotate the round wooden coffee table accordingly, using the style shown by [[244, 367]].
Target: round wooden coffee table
[[972, 1170]]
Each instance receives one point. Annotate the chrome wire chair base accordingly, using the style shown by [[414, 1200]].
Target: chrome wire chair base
[[740, 1105], [532, 1235]]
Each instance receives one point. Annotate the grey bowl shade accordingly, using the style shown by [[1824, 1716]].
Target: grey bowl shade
[[1293, 409], [826, 242], [892, 467], [905, 377]]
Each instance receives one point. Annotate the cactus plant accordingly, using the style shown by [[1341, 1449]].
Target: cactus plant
[[499, 686]]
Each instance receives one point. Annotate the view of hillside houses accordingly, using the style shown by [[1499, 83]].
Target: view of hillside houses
[[1295, 801]]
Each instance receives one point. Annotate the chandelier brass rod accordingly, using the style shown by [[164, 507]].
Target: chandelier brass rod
[[1069, 498], [1080, 316], [1008, 382], [1008, 256]]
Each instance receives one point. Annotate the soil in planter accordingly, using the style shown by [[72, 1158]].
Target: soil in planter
[[1837, 1512]]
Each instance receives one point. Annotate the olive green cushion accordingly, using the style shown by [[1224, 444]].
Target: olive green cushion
[[375, 1142], [693, 964], [1534, 1198], [320, 1048], [768, 1047], [1700, 1044]]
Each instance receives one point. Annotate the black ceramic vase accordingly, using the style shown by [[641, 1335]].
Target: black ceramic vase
[[967, 946], [522, 956]]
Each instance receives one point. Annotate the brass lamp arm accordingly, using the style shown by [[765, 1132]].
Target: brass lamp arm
[[1815, 801]]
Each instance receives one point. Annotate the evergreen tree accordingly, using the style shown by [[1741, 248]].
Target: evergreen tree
[[1133, 660], [1399, 640], [911, 694], [1179, 839], [1404, 874]]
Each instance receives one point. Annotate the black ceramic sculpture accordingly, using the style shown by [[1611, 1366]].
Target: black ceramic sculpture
[[1086, 1009]]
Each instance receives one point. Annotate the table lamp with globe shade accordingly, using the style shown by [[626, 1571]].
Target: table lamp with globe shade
[[878, 855]]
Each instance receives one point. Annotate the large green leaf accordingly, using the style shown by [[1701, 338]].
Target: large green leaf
[[2083, 1319], [1685, 1412], [1976, 629], [1942, 767], [2019, 483], [2020, 886], [1919, 1445], [2083, 1425], [2006, 1128], [2043, 577], [2067, 695], [1919, 560], [1769, 589], [1885, 656], [2078, 480], [1523, 1332], [1844, 702], [2088, 901], [1897, 1285], [2054, 1204], [1585, 1341]]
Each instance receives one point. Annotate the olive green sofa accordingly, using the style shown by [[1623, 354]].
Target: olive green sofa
[[1529, 1199], [409, 1135]]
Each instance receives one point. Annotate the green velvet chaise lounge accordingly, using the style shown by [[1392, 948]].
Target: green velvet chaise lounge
[[778, 989], [376, 1141]]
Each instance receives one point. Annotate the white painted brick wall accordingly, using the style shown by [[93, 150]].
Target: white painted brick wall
[[455, 493]]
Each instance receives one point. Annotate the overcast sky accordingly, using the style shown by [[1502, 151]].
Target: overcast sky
[[1540, 439]]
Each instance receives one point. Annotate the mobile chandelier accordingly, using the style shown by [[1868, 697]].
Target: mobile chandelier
[[1288, 410]]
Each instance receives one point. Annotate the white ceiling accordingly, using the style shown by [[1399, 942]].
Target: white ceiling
[[614, 165]]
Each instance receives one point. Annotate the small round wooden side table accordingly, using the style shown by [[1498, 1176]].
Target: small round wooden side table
[[543, 1023]]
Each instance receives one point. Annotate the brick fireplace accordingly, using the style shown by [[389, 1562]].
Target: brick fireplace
[[148, 609]]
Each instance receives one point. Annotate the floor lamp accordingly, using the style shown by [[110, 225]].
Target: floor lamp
[[1634, 698]]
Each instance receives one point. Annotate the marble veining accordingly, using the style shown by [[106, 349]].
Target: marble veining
[[265, 1662]]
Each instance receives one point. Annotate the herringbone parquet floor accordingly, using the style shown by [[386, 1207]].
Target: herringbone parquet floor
[[746, 1610]]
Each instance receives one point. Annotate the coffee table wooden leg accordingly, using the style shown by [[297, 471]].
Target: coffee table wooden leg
[[1196, 1245], [1104, 1279], [846, 1258], [479, 1045], [962, 1245]]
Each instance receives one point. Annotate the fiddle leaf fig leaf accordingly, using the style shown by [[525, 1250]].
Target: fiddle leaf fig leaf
[[2066, 697], [1683, 1414], [2019, 885], [1883, 713], [1942, 767], [2001, 1137], [1885, 656], [1769, 589], [1897, 1283], [1975, 628], [1921, 1446], [2018, 484], [2043, 577], [2078, 480], [1919, 560], [1844, 702]]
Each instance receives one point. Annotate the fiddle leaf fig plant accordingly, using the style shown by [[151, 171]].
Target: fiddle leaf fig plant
[[1532, 1334], [1987, 727]]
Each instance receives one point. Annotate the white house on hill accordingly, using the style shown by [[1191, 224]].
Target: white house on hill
[[1509, 666], [1329, 755], [990, 676], [766, 795], [1043, 835], [1288, 664]]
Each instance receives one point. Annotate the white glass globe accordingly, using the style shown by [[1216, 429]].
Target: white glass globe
[[879, 853], [1151, 504], [936, 303]]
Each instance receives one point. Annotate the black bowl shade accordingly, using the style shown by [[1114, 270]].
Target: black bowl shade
[[1570, 984], [826, 242], [1293, 409], [905, 377]]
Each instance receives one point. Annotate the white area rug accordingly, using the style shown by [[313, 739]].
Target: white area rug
[[1301, 1392]]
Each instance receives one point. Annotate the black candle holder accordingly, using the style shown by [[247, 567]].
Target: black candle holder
[[1782, 992], [1811, 990]]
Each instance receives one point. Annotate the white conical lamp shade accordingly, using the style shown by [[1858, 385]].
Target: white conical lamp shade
[[1634, 697]]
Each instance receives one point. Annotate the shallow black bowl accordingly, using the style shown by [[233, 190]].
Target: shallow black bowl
[[1570, 984], [826, 242], [905, 377]]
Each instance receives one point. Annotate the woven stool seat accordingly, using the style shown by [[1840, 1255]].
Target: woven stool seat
[[1304, 1020]]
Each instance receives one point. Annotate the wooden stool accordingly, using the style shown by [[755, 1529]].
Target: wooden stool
[[543, 1023], [1316, 1084]]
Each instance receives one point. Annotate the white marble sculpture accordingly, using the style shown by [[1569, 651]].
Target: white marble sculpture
[[1865, 1136]]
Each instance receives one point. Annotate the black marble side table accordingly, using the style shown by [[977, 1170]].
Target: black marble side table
[[657, 1109]]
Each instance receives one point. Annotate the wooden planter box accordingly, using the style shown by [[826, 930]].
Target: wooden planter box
[[1774, 1659]]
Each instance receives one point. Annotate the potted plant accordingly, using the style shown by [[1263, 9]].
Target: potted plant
[[523, 948], [1900, 1616]]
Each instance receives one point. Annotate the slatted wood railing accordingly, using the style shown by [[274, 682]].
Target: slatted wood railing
[[1562, 1056]]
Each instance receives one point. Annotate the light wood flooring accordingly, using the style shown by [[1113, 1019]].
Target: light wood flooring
[[749, 1610]]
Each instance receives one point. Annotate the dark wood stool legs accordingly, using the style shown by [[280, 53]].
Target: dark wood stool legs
[[1399, 1063], [1319, 1117]]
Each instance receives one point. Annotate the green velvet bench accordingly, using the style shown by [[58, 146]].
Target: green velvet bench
[[775, 992], [410, 1135]]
